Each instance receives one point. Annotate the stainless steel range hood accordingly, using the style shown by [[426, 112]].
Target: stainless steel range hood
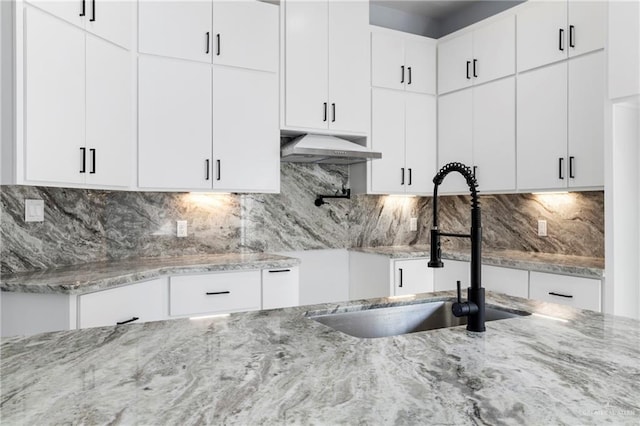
[[325, 149]]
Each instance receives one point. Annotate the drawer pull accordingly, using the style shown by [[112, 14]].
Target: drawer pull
[[560, 295], [128, 321], [213, 293], [279, 270]]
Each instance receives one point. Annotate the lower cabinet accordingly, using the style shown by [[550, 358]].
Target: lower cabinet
[[140, 302], [583, 293], [514, 282], [446, 277], [280, 288], [411, 277]]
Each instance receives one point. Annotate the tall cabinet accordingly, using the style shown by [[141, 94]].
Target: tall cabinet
[[208, 91]]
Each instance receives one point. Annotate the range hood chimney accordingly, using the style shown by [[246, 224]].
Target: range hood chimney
[[311, 148]]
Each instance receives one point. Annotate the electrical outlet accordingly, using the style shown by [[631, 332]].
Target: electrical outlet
[[181, 228], [413, 224], [34, 210], [542, 228]]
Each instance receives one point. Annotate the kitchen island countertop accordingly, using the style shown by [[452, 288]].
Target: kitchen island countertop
[[560, 366]]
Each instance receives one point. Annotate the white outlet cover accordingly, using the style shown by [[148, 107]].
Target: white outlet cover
[[181, 228], [542, 228], [34, 210], [413, 224]]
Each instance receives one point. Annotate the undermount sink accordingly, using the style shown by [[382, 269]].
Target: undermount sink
[[403, 319]]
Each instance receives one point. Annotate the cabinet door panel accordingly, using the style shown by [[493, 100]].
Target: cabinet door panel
[[387, 60], [412, 277], [542, 128], [387, 136], [494, 135], [306, 73], [420, 61], [70, 11], [174, 123], [455, 142], [494, 50], [349, 66], [453, 270], [539, 34], [246, 134], [454, 63], [109, 114], [280, 288], [582, 293], [54, 134], [175, 28], [586, 120], [420, 142], [248, 32], [589, 29], [514, 282], [113, 20]]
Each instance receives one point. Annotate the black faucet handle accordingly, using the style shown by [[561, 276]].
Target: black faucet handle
[[459, 291]]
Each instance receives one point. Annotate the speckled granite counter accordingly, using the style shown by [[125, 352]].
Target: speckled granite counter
[[590, 267], [279, 367], [87, 277]]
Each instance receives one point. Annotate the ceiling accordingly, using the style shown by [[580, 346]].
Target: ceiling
[[435, 9]]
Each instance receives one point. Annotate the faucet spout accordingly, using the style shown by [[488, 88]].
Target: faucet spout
[[474, 308]]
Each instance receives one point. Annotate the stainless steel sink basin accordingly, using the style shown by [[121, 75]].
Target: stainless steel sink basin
[[403, 319]]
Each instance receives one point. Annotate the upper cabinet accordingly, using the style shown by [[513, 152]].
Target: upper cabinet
[[403, 61], [326, 66], [623, 52], [474, 57], [549, 31]]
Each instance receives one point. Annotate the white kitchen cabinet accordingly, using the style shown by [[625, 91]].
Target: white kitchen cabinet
[[477, 128], [514, 282], [412, 276], [280, 288], [404, 130], [583, 293], [445, 278], [478, 56], [402, 61], [567, 152], [87, 141], [140, 302], [24, 314], [74, 12], [622, 47], [326, 66], [550, 31], [214, 293], [174, 124]]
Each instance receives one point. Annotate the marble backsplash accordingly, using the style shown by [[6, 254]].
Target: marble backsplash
[[87, 225]]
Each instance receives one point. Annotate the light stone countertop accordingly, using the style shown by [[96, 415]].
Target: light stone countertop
[[78, 279], [281, 367], [590, 267]]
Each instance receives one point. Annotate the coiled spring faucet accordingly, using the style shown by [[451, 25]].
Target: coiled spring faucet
[[473, 308]]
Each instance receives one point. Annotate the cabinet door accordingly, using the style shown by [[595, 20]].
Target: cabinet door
[[214, 293], [143, 301], [387, 61], [494, 50], [412, 277], [453, 270], [112, 20], [75, 12], [455, 141], [179, 29], [306, 71], [54, 135], [387, 136], [586, 120], [245, 34], [542, 128], [420, 62], [583, 293], [454, 63], [420, 142], [587, 26], [174, 124], [494, 135], [280, 288], [542, 34], [246, 134], [109, 114], [349, 66], [622, 50], [514, 282]]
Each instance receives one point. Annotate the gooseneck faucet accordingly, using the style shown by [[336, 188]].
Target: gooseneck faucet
[[473, 308]]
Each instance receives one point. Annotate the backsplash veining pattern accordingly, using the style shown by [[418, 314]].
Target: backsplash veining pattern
[[85, 226]]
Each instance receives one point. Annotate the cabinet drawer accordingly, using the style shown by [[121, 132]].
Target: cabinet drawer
[[583, 293], [213, 293], [280, 288], [144, 301], [514, 282]]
